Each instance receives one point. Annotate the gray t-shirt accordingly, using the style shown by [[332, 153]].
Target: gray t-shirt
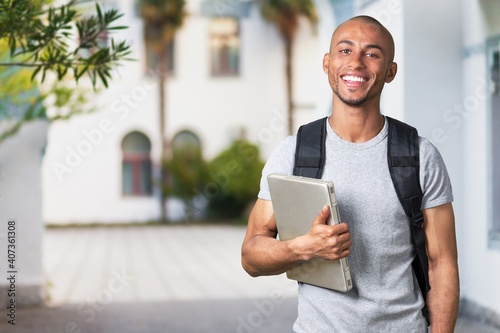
[[385, 296]]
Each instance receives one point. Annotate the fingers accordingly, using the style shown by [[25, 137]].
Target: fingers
[[330, 242], [339, 246], [322, 216], [341, 228]]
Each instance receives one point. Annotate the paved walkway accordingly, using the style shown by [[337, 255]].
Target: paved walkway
[[150, 264], [159, 279]]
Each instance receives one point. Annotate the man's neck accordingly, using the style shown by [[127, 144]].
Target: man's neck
[[356, 124]]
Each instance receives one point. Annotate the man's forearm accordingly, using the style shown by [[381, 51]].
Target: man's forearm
[[268, 256], [444, 297]]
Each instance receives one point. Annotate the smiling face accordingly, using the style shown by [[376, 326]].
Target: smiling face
[[360, 62]]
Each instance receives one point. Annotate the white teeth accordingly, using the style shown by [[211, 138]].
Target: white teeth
[[353, 78]]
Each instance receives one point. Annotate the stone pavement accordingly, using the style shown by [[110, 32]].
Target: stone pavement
[[159, 279]]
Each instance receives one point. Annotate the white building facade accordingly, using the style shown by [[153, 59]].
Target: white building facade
[[215, 91], [479, 124]]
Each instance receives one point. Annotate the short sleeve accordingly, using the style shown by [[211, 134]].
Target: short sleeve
[[434, 178], [281, 161]]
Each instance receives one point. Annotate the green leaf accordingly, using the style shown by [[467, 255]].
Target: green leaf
[[121, 27], [35, 72], [99, 12], [38, 34], [43, 73], [103, 78]]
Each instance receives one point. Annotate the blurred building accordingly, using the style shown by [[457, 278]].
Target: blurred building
[[227, 81]]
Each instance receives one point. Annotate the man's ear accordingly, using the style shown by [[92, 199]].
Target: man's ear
[[391, 72], [326, 62]]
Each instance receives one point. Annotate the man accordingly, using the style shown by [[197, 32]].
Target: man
[[376, 236]]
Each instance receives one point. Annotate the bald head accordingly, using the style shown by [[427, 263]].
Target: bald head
[[374, 24]]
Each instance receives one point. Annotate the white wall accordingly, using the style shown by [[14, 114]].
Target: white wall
[[218, 107], [433, 85], [92, 190], [20, 200], [480, 270]]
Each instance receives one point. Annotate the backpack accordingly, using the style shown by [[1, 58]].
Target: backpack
[[404, 165]]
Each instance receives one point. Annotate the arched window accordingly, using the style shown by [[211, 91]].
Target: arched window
[[186, 140], [187, 167], [136, 166]]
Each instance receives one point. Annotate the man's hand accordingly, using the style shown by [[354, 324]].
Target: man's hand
[[328, 242], [263, 254]]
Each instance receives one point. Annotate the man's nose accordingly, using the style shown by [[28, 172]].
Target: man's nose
[[356, 61]]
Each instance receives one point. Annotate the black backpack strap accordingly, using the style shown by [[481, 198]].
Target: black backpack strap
[[404, 167], [310, 149]]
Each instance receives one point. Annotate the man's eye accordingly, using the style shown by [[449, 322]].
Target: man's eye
[[344, 51], [371, 55]]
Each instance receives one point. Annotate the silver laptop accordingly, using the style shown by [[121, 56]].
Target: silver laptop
[[296, 203]]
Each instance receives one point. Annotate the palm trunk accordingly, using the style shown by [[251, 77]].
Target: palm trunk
[[289, 83], [162, 69]]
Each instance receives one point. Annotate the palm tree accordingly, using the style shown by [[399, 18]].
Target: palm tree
[[285, 14], [162, 19]]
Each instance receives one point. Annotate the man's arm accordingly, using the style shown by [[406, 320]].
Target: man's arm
[[263, 254], [444, 296]]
